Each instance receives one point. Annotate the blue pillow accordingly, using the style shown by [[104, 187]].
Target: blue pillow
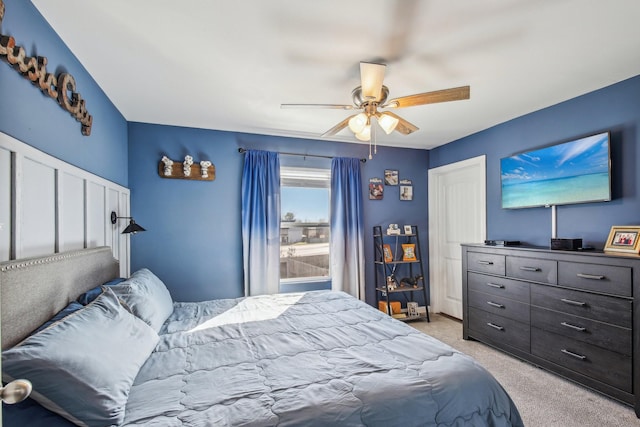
[[147, 297], [83, 366], [92, 294]]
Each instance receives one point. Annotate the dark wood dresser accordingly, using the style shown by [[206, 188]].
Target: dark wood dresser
[[573, 313]]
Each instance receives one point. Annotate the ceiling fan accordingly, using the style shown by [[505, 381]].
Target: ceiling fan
[[371, 96]]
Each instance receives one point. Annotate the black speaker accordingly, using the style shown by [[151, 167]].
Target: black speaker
[[566, 244]]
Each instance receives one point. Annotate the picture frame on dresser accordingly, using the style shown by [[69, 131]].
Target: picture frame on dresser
[[623, 239]]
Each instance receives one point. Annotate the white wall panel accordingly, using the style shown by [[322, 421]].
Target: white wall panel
[[37, 215], [111, 230], [71, 208], [96, 215], [123, 240], [5, 204], [48, 206]]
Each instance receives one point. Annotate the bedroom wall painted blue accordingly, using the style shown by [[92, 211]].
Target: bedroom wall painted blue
[[193, 242], [615, 108], [206, 261], [36, 119]]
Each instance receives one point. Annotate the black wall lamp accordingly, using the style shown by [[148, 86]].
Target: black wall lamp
[[131, 228]]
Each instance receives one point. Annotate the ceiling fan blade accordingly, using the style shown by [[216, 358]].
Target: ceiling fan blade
[[445, 95], [331, 106], [371, 76], [337, 128], [403, 126]]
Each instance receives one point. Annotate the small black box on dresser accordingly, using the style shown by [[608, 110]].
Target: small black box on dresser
[[558, 244]]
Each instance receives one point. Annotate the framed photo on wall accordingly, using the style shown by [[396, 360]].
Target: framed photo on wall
[[406, 189], [376, 189], [390, 177], [625, 239]]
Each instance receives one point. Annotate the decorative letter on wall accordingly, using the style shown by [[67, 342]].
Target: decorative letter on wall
[[62, 88], [201, 171]]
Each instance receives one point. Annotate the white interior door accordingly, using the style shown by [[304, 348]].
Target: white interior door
[[457, 214]]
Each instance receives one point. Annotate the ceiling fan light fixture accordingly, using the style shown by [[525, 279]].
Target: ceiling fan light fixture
[[365, 135], [387, 122], [358, 122]]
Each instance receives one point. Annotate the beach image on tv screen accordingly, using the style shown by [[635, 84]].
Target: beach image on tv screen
[[572, 172]]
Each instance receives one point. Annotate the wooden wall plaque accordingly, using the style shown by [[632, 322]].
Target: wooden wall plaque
[[177, 172]]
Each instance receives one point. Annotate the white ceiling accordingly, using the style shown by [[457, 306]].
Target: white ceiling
[[229, 64]]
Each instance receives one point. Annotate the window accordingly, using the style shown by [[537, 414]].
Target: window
[[304, 225]]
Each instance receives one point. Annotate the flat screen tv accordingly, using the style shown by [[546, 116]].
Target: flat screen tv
[[577, 171]]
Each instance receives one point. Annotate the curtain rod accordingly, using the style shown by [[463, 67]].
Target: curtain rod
[[243, 150]]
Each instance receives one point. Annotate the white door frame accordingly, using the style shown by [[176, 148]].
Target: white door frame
[[435, 177]]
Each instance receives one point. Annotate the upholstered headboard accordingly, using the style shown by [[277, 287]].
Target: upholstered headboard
[[34, 289]]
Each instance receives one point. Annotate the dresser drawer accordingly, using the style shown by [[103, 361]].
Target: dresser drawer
[[486, 263], [603, 335], [608, 279], [537, 270], [499, 286], [595, 362], [500, 329], [604, 308], [499, 305]]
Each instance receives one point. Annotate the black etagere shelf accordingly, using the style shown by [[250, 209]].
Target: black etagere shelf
[[390, 259]]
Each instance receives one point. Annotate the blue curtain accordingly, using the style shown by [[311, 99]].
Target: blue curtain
[[347, 230], [261, 222]]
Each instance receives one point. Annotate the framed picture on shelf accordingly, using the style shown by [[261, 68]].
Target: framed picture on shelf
[[376, 189], [408, 229], [406, 189], [388, 255], [624, 239], [390, 177], [409, 252]]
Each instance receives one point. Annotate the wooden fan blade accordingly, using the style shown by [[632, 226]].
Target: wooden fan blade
[[445, 95], [337, 128], [403, 126], [331, 106], [371, 76]]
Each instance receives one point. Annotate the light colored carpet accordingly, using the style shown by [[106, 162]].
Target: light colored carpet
[[543, 399]]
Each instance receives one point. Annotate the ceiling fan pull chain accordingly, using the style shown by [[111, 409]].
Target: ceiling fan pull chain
[[375, 139]]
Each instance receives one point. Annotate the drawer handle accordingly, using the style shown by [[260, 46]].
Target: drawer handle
[[495, 285], [485, 262], [572, 354], [530, 268], [495, 304], [590, 276], [500, 328], [577, 328], [571, 302]]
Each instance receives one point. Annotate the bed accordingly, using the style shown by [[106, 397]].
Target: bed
[[299, 359]]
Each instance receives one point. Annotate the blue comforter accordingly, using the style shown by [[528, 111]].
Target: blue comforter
[[308, 359]]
